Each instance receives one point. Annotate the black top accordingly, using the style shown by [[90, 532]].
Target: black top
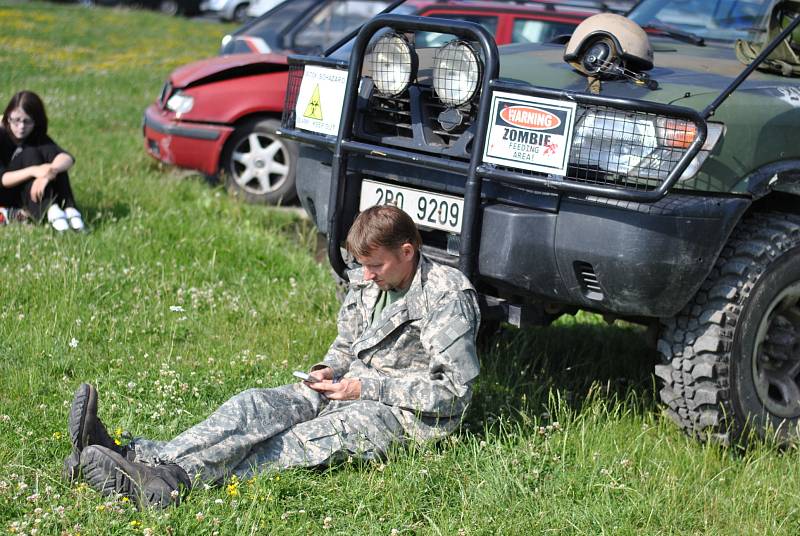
[[15, 156]]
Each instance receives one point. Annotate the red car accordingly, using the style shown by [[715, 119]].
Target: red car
[[219, 116]]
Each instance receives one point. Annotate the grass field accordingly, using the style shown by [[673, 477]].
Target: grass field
[[181, 297]]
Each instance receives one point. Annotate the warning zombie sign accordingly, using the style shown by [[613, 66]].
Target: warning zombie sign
[[530, 133], [319, 101]]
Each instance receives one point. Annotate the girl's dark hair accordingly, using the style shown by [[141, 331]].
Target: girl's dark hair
[[32, 105]]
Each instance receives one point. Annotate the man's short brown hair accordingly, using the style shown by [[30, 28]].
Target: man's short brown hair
[[381, 226]]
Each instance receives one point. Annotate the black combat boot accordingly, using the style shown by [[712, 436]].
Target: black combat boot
[[86, 428], [111, 473]]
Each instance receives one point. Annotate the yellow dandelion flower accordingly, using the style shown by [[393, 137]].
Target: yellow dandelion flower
[[56, 435]]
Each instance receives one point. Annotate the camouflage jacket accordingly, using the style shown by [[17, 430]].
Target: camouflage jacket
[[419, 357]]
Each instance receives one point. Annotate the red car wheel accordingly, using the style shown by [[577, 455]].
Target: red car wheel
[[259, 165]]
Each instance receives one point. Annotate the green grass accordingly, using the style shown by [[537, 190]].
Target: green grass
[[181, 297]]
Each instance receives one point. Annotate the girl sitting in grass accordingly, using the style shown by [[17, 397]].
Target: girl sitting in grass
[[33, 169]]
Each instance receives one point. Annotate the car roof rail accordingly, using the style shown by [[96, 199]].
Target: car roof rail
[[563, 5], [558, 5]]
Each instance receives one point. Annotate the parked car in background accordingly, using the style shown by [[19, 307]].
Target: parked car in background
[[220, 115], [168, 7], [306, 26], [319, 23], [259, 7], [237, 10]]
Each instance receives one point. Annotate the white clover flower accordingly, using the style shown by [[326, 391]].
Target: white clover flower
[[73, 342], [200, 516], [176, 308]]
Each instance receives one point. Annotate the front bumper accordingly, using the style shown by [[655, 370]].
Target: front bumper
[[622, 257], [189, 145]]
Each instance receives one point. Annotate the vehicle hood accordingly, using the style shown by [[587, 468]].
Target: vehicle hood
[[226, 67], [692, 74]]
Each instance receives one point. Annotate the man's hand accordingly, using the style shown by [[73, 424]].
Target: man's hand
[[346, 389], [325, 373]]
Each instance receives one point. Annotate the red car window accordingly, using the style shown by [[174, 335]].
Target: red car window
[[433, 39], [539, 31]]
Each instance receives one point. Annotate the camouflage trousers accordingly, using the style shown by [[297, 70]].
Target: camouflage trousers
[[264, 429]]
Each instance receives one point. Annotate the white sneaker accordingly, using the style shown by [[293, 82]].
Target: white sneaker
[[74, 218], [57, 218]]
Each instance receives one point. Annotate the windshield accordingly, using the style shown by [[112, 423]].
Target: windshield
[[281, 16], [725, 20], [334, 21]]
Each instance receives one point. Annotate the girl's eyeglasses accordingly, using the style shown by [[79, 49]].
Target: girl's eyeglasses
[[20, 121]]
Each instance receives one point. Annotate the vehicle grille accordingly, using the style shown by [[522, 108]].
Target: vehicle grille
[[393, 116], [292, 91]]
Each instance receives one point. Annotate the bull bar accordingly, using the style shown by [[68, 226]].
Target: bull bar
[[475, 170]]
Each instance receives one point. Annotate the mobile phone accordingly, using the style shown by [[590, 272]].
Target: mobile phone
[[303, 376]]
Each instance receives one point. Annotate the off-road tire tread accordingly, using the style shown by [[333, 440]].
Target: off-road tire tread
[[696, 345]]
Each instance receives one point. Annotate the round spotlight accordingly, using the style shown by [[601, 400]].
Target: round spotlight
[[391, 64], [456, 73]]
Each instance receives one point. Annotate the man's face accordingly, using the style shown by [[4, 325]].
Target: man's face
[[390, 269]]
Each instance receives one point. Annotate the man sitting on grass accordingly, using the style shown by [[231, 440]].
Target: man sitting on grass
[[400, 368]]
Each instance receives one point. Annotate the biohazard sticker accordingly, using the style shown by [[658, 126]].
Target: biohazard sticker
[[319, 101], [530, 133]]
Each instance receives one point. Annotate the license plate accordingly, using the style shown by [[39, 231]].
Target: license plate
[[427, 209]]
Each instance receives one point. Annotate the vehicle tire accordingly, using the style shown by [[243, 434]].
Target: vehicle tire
[[259, 166], [240, 12], [169, 7], [733, 354]]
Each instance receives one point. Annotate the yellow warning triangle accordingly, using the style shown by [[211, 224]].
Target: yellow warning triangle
[[314, 108]]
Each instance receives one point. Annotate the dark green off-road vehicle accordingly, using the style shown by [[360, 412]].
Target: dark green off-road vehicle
[[660, 189]]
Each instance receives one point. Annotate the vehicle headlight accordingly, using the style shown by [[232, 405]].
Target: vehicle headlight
[[391, 63], [638, 146], [180, 103], [456, 73], [613, 142]]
